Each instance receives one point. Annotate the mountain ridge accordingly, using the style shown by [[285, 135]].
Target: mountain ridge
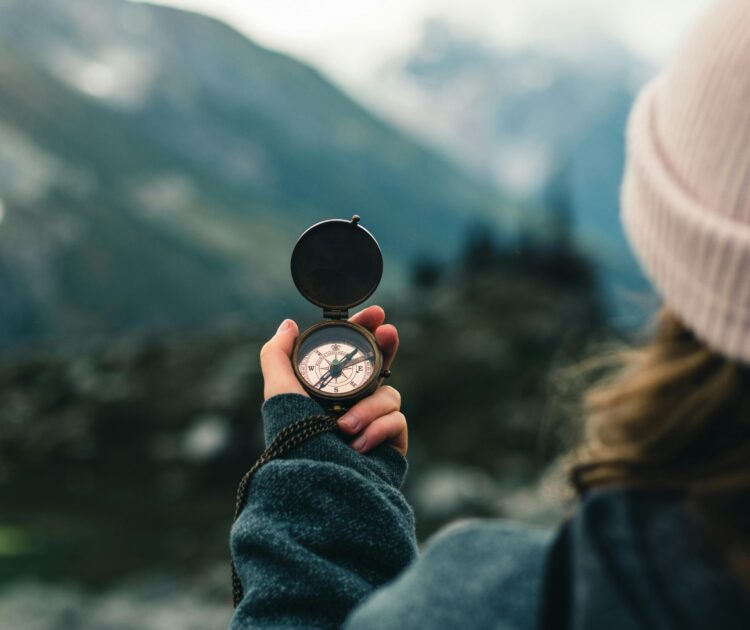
[[178, 200], [534, 118]]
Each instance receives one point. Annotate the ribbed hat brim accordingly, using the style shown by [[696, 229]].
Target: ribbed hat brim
[[697, 258]]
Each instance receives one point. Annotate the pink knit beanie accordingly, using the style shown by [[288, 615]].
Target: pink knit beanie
[[686, 192]]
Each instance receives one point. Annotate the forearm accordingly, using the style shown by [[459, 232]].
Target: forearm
[[322, 527]]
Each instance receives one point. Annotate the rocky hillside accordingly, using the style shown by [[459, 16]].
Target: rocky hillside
[[130, 449]]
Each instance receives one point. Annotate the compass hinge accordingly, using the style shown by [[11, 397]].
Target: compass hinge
[[336, 313]]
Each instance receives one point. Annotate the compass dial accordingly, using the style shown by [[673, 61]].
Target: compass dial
[[336, 360]]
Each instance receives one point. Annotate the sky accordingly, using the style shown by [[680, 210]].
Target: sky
[[350, 39]]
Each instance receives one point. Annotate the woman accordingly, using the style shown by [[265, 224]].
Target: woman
[[661, 535]]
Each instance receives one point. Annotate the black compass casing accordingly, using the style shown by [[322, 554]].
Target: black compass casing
[[336, 265]]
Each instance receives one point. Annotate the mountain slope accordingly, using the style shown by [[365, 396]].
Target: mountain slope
[[529, 118], [159, 166]]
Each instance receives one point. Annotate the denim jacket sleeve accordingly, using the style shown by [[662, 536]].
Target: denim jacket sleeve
[[322, 528]]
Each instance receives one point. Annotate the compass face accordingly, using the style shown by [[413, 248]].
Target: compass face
[[336, 360]]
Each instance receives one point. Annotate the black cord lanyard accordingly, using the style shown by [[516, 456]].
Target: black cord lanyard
[[286, 439]]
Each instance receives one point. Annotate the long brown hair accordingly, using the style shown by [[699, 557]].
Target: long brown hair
[[676, 415]]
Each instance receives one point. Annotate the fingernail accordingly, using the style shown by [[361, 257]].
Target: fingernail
[[284, 326], [359, 443], [350, 423]]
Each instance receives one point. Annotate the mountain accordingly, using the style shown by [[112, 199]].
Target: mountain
[[534, 119], [156, 168]]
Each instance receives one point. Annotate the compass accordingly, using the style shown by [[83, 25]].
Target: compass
[[336, 265]]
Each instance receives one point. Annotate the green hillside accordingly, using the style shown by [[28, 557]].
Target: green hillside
[[156, 168]]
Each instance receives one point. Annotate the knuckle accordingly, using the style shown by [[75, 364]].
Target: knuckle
[[394, 395]]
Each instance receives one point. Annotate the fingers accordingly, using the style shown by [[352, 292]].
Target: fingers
[[370, 318], [382, 402], [390, 428], [377, 419], [387, 337], [278, 375]]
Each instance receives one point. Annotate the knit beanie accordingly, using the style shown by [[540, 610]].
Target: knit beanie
[[686, 190]]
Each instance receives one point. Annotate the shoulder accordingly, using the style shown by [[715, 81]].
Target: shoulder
[[476, 571], [482, 535]]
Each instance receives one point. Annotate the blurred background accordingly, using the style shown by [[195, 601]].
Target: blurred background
[[157, 164]]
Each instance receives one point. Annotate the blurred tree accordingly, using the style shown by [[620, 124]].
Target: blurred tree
[[481, 250], [426, 272], [560, 211], [474, 372]]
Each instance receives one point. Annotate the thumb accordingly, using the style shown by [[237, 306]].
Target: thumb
[[275, 363]]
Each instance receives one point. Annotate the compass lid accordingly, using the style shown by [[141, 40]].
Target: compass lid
[[337, 264]]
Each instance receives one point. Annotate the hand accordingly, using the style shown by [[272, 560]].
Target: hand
[[275, 355], [377, 418]]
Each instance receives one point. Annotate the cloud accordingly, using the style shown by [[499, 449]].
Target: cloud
[[349, 40]]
